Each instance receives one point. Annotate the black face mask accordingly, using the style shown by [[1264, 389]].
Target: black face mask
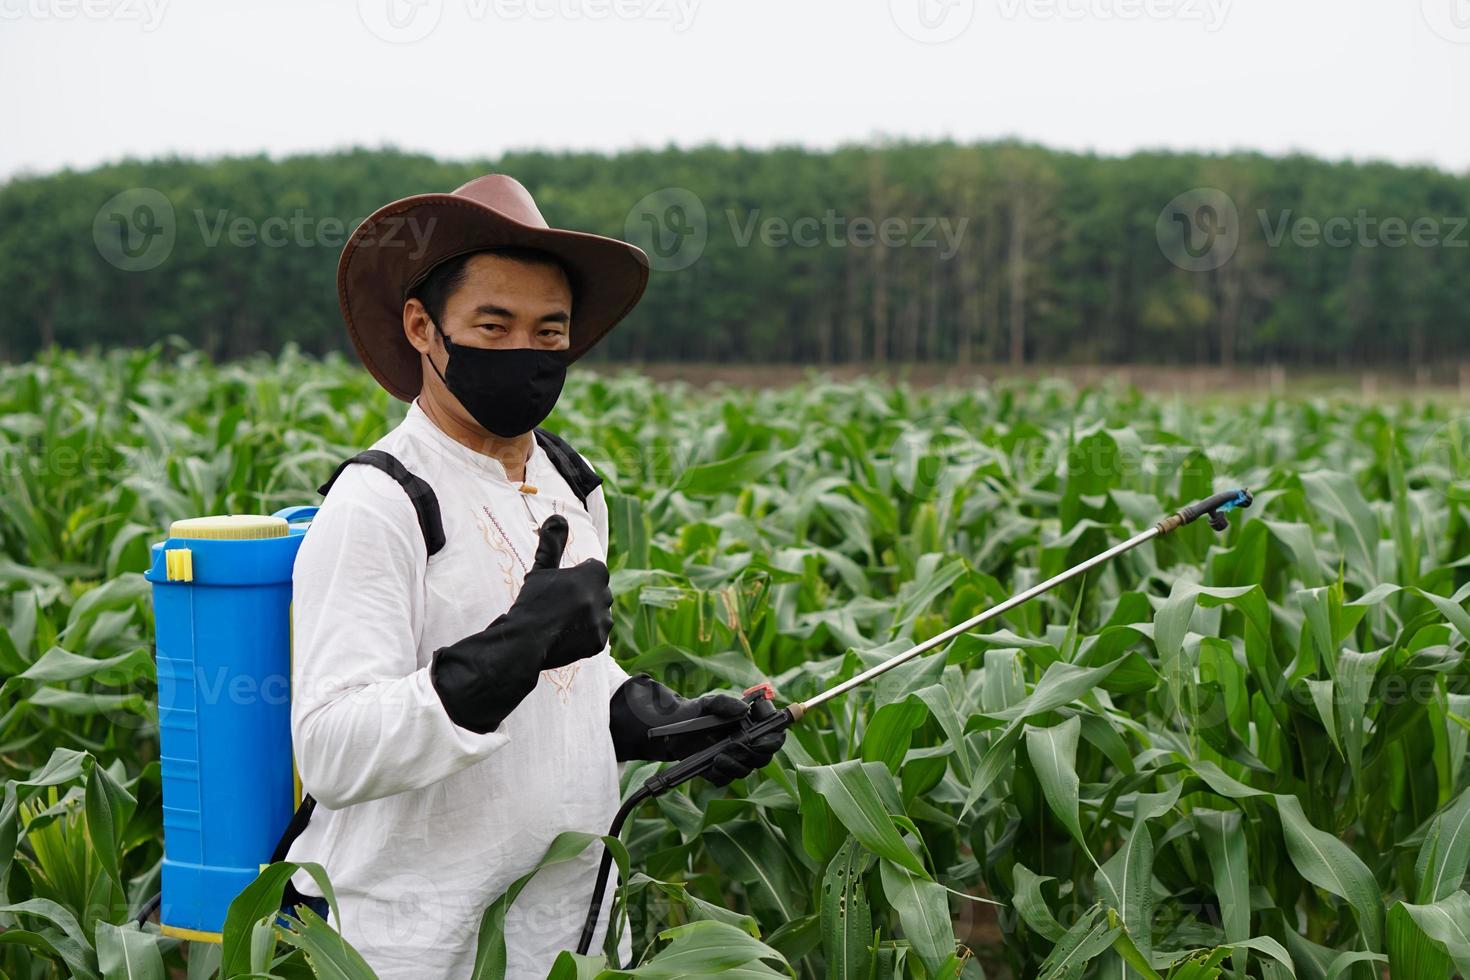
[[508, 391]]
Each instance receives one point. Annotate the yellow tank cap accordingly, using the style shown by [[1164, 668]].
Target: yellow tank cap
[[234, 527]]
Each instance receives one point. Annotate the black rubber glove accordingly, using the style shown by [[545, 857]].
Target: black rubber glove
[[642, 703], [560, 616]]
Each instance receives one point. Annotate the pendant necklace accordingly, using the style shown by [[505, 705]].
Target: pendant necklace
[[526, 490]]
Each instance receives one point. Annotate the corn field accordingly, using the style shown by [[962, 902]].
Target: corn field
[[1222, 755]]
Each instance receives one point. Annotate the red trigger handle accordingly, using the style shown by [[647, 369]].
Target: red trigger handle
[[761, 690]]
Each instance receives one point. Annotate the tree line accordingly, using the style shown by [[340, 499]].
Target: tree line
[[882, 253]]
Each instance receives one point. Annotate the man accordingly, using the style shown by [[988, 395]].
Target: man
[[454, 702]]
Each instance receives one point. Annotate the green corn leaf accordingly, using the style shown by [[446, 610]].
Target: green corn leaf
[[1446, 922], [943, 710], [1225, 844], [1032, 907], [712, 949], [727, 475], [1062, 684], [821, 832], [1125, 883], [1337, 496], [1219, 782], [697, 907], [1412, 955], [749, 854], [1330, 864], [1452, 610], [66, 940], [995, 758], [1355, 683], [890, 731], [259, 899], [1084, 942], [1134, 962], [1053, 753], [1406, 542], [847, 922], [126, 953], [1280, 959], [490, 955], [1324, 694], [923, 911], [1171, 623], [570, 966], [108, 808], [1345, 961], [1203, 965], [331, 957], [1445, 853], [78, 958], [57, 665], [851, 789]]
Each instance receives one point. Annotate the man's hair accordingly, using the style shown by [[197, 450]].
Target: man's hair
[[446, 277]]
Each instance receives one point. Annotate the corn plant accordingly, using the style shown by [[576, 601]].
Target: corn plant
[[1233, 755]]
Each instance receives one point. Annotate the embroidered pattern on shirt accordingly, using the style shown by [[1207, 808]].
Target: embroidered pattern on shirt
[[497, 541], [561, 678]]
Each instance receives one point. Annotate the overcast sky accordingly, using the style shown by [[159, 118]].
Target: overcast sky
[[88, 81]]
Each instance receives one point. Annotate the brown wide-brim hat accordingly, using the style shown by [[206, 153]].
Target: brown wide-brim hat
[[399, 244]]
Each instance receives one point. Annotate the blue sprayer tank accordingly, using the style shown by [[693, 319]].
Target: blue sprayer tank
[[222, 608]]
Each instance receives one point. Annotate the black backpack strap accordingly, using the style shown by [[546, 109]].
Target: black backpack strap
[[293, 830], [582, 478], [419, 492], [290, 896]]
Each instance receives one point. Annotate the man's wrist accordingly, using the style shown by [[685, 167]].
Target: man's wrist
[[481, 679], [639, 704]]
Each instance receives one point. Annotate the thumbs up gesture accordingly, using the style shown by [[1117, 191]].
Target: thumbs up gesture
[[551, 543], [572, 606], [560, 616]]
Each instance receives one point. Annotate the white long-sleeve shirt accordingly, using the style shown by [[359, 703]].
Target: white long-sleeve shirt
[[420, 823]]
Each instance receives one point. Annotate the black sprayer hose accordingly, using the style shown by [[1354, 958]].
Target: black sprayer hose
[[149, 907], [605, 869], [767, 719]]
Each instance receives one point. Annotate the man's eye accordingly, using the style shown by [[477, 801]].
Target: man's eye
[[492, 326]]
